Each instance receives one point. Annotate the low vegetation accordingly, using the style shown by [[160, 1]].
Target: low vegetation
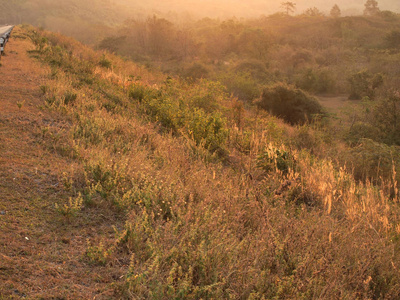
[[222, 200], [290, 104]]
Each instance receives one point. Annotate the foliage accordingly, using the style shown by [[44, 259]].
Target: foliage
[[196, 118], [241, 85], [196, 71], [386, 116], [289, 103], [105, 63], [257, 69], [335, 11], [313, 12], [378, 121], [71, 208], [360, 130], [319, 81], [392, 39], [69, 97], [139, 92], [272, 159], [364, 84], [371, 8], [373, 161], [232, 227], [96, 255], [288, 7]]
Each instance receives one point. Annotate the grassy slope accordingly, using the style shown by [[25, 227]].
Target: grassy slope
[[198, 225], [41, 251]]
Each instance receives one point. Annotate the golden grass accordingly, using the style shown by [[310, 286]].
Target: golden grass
[[202, 226]]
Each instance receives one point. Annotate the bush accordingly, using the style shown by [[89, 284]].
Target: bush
[[272, 159], [241, 85], [207, 129], [196, 71], [364, 84], [386, 114], [361, 130], [105, 63], [139, 92], [70, 97], [320, 81], [372, 160], [255, 68], [290, 103], [206, 95], [393, 39]]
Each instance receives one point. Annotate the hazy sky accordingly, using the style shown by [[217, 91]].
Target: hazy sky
[[246, 8]]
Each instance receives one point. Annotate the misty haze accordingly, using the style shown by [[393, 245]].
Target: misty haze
[[199, 149]]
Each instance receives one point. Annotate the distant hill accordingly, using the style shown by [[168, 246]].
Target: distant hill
[[67, 16], [251, 8], [98, 17]]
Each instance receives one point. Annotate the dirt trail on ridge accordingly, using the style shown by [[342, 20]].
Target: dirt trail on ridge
[[41, 254]]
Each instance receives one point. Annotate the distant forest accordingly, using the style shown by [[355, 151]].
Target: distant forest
[[319, 52]]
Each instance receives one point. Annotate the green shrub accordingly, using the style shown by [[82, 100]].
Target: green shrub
[[164, 110], [207, 129], [386, 116], [306, 138], [372, 160], [96, 255], [105, 63], [69, 97], [271, 159], [241, 85], [205, 94], [196, 71], [71, 208], [139, 92], [255, 68], [44, 89], [320, 81], [290, 103], [361, 130], [364, 84]]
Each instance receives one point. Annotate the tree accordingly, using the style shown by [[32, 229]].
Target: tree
[[371, 8], [159, 36], [289, 7], [313, 12], [335, 11]]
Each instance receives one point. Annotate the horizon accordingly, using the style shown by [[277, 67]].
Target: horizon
[[248, 9]]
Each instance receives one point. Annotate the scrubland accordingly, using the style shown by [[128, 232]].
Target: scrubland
[[222, 200]]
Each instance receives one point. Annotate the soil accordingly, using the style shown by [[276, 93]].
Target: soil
[[43, 254]]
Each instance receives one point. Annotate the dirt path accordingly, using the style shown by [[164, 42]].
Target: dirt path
[[42, 254]]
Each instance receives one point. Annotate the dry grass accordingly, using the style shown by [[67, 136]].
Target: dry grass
[[202, 225], [42, 252]]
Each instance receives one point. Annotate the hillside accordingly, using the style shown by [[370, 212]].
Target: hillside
[[41, 251], [118, 182]]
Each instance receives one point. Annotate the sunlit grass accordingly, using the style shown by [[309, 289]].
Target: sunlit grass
[[217, 208]]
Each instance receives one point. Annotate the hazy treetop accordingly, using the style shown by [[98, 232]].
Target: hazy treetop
[[251, 8]]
